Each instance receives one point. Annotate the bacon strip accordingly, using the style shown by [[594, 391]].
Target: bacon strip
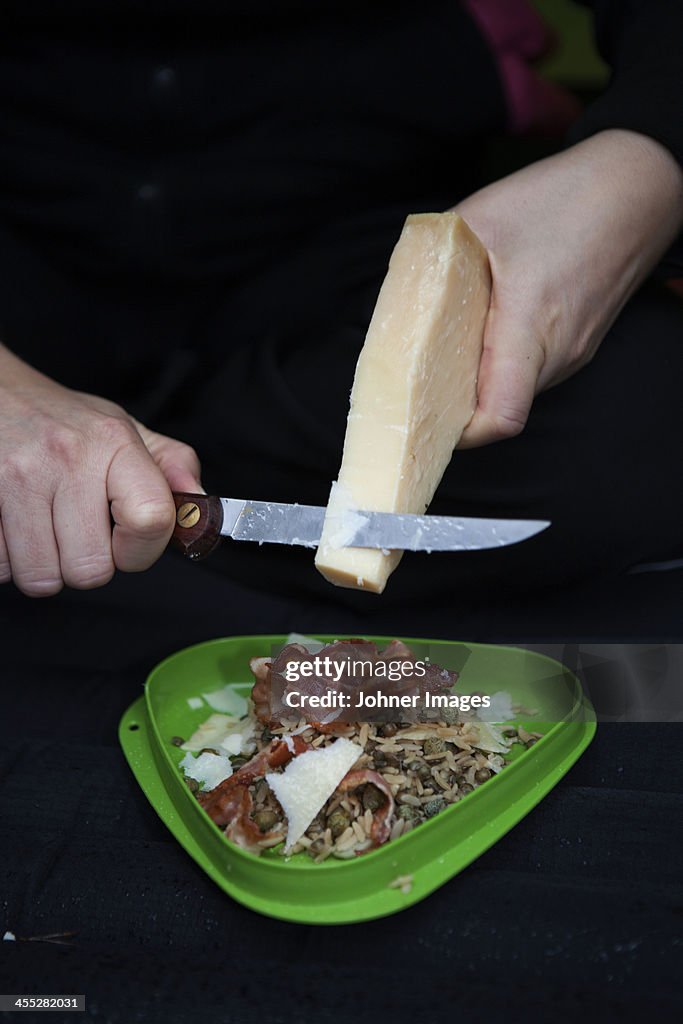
[[260, 693], [381, 819], [272, 684], [230, 803]]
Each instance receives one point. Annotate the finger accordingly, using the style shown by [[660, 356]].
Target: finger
[[508, 374], [5, 570], [31, 546], [80, 514], [177, 461], [141, 506], [179, 464]]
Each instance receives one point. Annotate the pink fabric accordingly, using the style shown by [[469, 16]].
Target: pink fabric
[[518, 36]]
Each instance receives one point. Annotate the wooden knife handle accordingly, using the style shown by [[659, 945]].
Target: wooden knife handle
[[197, 529]]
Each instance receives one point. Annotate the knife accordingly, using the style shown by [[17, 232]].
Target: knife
[[202, 520]]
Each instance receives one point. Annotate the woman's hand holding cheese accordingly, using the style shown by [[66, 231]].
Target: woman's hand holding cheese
[[65, 458], [569, 238]]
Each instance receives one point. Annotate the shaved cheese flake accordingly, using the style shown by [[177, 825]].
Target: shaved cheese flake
[[499, 709], [223, 731], [311, 645], [207, 769], [233, 743], [212, 732], [344, 520], [489, 738], [309, 781], [228, 700]]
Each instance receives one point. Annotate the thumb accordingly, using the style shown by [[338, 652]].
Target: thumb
[[510, 365], [141, 508], [177, 461]]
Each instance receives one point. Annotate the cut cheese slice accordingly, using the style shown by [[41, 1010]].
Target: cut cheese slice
[[309, 781], [232, 734], [228, 700], [208, 769], [414, 391]]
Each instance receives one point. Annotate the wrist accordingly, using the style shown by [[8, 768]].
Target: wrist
[[15, 374]]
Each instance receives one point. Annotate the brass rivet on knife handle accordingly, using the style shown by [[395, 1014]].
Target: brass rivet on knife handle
[[197, 529], [188, 514]]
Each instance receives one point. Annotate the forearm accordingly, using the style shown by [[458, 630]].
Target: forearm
[[638, 184]]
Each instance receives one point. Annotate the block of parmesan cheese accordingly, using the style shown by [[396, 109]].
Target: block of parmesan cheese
[[414, 391]]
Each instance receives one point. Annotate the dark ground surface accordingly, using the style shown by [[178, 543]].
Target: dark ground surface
[[579, 910]]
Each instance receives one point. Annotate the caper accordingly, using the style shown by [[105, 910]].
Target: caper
[[509, 733], [450, 716], [388, 730], [393, 760], [208, 750], [192, 785], [424, 773], [177, 741], [338, 822], [265, 820], [434, 807], [530, 743], [465, 788], [434, 745], [380, 758], [372, 798], [238, 761], [409, 813], [483, 775], [261, 791], [317, 846]]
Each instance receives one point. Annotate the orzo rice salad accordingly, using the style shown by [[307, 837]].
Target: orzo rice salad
[[336, 788]]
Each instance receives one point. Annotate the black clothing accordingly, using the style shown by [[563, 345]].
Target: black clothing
[[641, 41], [201, 233], [209, 141], [197, 204], [591, 458]]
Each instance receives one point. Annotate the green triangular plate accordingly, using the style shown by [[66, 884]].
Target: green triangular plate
[[336, 891]]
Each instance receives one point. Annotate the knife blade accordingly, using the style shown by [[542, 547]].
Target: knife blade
[[201, 521]]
